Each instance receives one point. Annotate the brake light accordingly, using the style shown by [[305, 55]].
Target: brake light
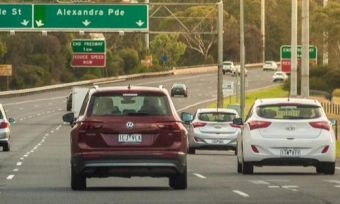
[[325, 149], [258, 124], [198, 124], [3, 125], [320, 125], [254, 148], [90, 125]]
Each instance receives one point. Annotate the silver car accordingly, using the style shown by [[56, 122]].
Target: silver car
[[212, 129], [4, 129]]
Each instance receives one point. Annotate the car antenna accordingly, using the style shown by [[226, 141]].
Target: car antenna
[[129, 86]]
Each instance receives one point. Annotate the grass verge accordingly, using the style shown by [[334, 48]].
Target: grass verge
[[338, 149]]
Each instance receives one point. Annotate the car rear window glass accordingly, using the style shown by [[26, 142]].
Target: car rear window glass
[[1, 115], [130, 105], [216, 116], [290, 111], [227, 63], [178, 86]]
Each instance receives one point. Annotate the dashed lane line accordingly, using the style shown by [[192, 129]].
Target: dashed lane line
[[10, 177], [243, 194], [200, 176], [338, 168], [19, 163]]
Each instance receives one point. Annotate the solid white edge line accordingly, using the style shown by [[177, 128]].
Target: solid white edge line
[[243, 194], [338, 168], [10, 177], [200, 176]]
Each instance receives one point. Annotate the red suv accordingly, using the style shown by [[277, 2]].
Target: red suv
[[125, 132]]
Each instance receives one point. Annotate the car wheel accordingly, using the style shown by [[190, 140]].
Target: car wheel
[[326, 168], [6, 147], [172, 95], [179, 181], [239, 167], [78, 181], [185, 95], [192, 151], [247, 168]]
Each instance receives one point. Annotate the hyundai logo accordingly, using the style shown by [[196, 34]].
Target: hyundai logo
[[129, 125]]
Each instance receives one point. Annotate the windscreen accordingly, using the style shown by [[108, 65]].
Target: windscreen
[[284, 111], [227, 63], [1, 116], [130, 104], [216, 116]]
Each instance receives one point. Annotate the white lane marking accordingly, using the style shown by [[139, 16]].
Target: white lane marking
[[294, 189], [290, 186], [200, 176], [19, 163], [21, 108], [243, 194], [32, 101], [20, 119], [167, 80], [259, 182], [337, 186], [273, 186], [22, 158], [15, 170], [10, 177], [26, 155], [338, 168], [196, 104], [333, 181]]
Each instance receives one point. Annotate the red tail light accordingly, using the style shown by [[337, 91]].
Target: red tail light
[[90, 125], [325, 149], [254, 148], [258, 124], [198, 124], [3, 125], [320, 125]]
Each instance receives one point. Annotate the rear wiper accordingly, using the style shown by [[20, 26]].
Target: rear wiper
[[136, 114]]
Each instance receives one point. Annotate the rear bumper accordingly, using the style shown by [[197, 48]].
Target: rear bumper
[[287, 162], [128, 166], [214, 147]]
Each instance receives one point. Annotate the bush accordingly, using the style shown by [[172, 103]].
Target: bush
[[336, 93], [130, 58]]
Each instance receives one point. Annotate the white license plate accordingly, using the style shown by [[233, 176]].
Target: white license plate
[[129, 138], [290, 152], [219, 141]]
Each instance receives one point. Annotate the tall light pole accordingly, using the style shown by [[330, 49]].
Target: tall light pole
[[147, 35], [242, 57], [263, 29], [220, 55], [325, 42], [305, 50], [293, 74]]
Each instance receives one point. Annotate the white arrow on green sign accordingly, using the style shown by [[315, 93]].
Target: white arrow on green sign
[[15, 16]]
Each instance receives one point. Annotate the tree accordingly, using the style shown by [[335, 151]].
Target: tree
[[168, 45]]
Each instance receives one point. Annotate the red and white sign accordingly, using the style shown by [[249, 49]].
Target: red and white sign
[[88, 60], [286, 64]]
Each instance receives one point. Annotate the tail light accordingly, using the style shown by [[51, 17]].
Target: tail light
[[3, 125], [254, 148], [325, 149], [258, 124], [90, 125], [198, 124], [320, 125]]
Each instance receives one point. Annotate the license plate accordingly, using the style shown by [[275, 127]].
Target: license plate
[[290, 152], [129, 138], [218, 141]]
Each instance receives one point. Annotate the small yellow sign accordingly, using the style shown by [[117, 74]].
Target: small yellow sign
[[5, 70]]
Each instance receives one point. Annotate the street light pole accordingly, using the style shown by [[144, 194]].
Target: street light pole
[[242, 57], [293, 74], [263, 29], [147, 35], [305, 50], [325, 42], [220, 55]]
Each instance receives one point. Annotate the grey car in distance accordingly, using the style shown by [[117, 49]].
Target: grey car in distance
[[4, 129]]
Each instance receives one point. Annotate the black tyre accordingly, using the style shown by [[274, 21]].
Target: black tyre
[[247, 168], [78, 181], [223, 72], [192, 151], [6, 147], [326, 168], [239, 167], [179, 181]]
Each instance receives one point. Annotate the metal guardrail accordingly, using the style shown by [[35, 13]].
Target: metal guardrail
[[175, 71]]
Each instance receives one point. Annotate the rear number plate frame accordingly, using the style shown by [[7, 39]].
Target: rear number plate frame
[[290, 152], [130, 138]]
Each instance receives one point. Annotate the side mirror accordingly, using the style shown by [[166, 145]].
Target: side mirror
[[186, 117], [237, 121], [68, 118], [11, 121]]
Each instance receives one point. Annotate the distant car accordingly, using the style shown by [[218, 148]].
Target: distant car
[[179, 89], [228, 67], [69, 102], [237, 70], [127, 131], [286, 132], [5, 132], [212, 129], [279, 76], [270, 66]]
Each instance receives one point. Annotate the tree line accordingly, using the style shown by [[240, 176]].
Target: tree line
[[42, 60]]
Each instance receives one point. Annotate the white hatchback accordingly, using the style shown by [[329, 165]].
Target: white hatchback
[[286, 131], [212, 129], [270, 66]]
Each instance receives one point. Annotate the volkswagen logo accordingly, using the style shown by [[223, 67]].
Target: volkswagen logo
[[129, 125], [291, 128]]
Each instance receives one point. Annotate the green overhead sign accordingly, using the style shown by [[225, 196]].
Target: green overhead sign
[[285, 52], [74, 17], [88, 46], [15, 16]]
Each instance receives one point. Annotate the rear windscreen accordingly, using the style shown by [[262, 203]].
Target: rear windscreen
[[130, 104], [1, 116], [216, 116], [289, 111]]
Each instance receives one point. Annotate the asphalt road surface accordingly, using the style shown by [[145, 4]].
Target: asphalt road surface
[[37, 169]]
